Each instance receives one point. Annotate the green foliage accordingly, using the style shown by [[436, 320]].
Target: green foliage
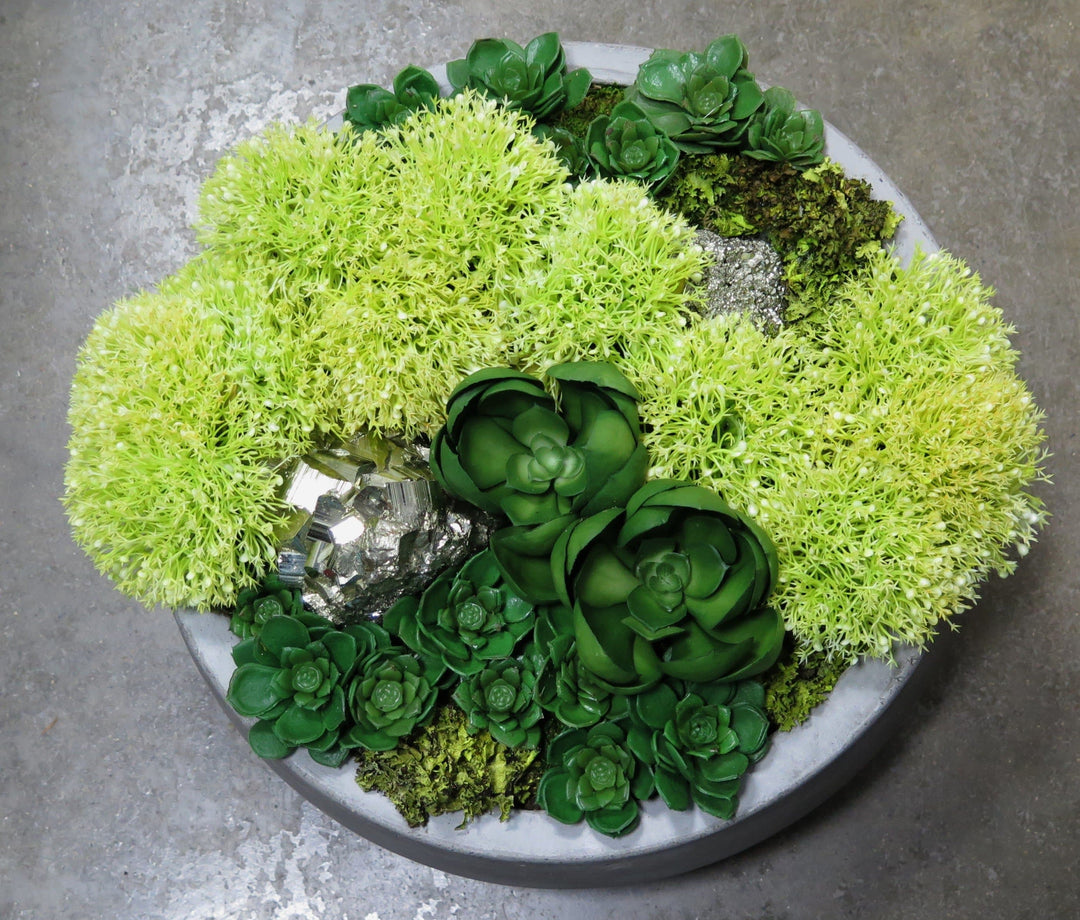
[[671, 588], [824, 224], [593, 775], [609, 280], [257, 603], [291, 679], [701, 101], [626, 145], [699, 740], [465, 618], [532, 79], [445, 769], [369, 107], [781, 134], [888, 447], [392, 693], [507, 450], [600, 100], [500, 698]]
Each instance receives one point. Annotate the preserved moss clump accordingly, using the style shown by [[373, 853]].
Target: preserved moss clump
[[444, 769], [888, 445], [797, 684], [824, 224]]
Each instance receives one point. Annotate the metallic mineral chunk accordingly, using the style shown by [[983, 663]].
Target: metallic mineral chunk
[[372, 526], [744, 275]]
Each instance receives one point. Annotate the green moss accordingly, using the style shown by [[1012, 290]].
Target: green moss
[[600, 100], [443, 769], [888, 447], [824, 224], [799, 682]]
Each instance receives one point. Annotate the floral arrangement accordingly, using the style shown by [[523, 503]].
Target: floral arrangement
[[698, 520]]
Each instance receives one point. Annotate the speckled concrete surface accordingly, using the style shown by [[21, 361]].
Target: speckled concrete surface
[[125, 793]]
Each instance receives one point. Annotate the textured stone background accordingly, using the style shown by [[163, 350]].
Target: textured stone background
[[125, 793]]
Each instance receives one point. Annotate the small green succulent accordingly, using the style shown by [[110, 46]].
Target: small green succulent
[[369, 107], [593, 775], [532, 79], [626, 144], [781, 134], [466, 618], [392, 693], [701, 101], [500, 698], [290, 677], [256, 604], [569, 147], [505, 448], [564, 686], [699, 740], [672, 587]]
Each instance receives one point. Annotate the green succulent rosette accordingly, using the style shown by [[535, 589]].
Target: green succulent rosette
[[507, 449], [369, 107], [780, 134], [594, 776], [703, 102], [501, 699], [699, 740], [672, 587], [564, 686], [532, 79], [465, 618], [391, 694], [568, 147], [290, 678], [258, 603], [626, 145]]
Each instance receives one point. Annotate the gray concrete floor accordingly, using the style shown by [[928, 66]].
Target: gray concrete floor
[[125, 793]]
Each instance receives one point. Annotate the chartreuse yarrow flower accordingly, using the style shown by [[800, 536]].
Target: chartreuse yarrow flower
[[889, 447], [182, 401]]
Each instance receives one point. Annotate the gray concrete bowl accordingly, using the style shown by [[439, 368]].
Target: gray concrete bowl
[[803, 768]]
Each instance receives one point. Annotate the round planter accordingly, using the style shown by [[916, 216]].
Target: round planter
[[802, 769]]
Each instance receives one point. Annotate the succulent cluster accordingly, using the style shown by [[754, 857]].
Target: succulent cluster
[[687, 102], [309, 684]]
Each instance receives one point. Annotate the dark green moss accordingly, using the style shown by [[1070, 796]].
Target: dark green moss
[[442, 768], [823, 224], [798, 683], [600, 100]]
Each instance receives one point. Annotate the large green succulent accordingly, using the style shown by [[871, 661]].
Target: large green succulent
[[593, 775], [392, 692], [781, 134], [672, 587], [290, 678], [626, 144], [500, 698], [507, 449], [701, 101], [532, 79], [369, 107], [699, 740], [466, 618]]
